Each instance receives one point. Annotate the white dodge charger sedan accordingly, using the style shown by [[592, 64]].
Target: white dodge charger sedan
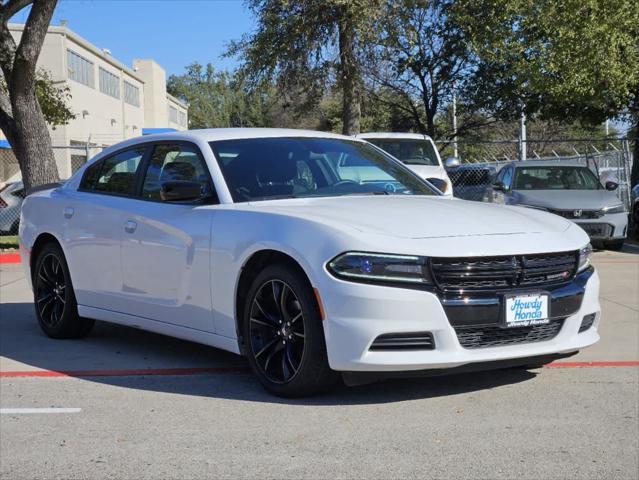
[[256, 242]]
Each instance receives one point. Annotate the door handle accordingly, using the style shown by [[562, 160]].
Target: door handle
[[130, 226], [68, 212]]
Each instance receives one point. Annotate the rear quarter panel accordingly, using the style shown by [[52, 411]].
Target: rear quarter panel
[[41, 212]]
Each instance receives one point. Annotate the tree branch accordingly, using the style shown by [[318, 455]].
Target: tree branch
[[12, 7], [26, 56], [7, 50]]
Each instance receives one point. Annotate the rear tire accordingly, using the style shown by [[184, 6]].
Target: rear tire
[[284, 335], [55, 304]]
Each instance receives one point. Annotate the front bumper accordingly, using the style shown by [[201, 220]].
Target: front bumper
[[609, 227], [358, 313]]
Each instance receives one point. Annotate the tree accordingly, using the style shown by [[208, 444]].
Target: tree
[[219, 99], [53, 98], [21, 117], [575, 60], [310, 43], [422, 56]]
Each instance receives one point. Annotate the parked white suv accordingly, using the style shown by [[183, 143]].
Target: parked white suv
[[418, 152]]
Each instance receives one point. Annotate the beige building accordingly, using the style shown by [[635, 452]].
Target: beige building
[[111, 101]]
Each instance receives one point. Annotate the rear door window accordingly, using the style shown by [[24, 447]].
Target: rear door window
[[114, 175]]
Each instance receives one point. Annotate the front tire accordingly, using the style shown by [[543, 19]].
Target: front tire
[[284, 335], [55, 304]]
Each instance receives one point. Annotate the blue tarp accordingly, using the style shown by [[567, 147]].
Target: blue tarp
[[4, 144], [150, 131]]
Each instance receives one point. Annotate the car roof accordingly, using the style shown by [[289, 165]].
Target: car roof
[[214, 134], [548, 163], [412, 136]]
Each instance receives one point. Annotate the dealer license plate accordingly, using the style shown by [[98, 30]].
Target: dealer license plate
[[526, 310]]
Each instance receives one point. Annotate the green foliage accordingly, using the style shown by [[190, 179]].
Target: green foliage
[[421, 56], [308, 46], [53, 98], [220, 99], [558, 59]]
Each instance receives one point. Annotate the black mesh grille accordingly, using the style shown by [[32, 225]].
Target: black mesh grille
[[494, 336], [404, 341], [597, 229], [504, 272]]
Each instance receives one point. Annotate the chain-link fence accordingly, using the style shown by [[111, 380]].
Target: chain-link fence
[[68, 160], [610, 161]]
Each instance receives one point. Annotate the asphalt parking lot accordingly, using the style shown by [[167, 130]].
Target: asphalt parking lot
[[129, 404]]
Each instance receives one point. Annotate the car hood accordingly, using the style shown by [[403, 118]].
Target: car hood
[[567, 199], [416, 216]]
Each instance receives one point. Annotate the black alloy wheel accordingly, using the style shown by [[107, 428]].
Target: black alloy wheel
[[55, 304], [50, 291], [283, 333], [277, 331]]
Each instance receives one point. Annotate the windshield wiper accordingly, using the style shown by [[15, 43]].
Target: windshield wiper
[[354, 194]]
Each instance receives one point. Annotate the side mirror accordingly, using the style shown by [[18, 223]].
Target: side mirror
[[610, 186], [499, 186], [452, 162], [181, 191]]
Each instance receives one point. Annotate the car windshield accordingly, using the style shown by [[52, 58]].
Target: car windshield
[[269, 168], [555, 178], [409, 151]]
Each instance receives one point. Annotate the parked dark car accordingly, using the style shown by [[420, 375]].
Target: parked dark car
[[472, 182]]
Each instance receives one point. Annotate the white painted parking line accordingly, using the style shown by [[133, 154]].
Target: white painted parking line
[[14, 411]]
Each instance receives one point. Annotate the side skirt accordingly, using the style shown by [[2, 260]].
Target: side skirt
[[197, 336]]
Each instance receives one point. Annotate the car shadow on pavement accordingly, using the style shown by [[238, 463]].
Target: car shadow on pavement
[[113, 347]]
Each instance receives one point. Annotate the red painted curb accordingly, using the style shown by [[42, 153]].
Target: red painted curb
[[125, 373], [9, 258], [623, 363], [239, 370]]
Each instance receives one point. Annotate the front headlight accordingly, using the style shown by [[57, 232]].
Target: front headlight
[[380, 268], [616, 209], [584, 258]]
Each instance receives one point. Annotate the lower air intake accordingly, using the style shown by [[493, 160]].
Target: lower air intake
[[587, 322], [404, 341], [495, 336]]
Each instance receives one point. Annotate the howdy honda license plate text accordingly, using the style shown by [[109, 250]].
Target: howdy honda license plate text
[[526, 310]]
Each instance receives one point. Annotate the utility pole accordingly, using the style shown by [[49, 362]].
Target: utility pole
[[607, 127], [522, 137], [455, 151]]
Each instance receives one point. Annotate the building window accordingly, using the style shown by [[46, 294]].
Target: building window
[[80, 69], [182, 118], [109, 83], [131, 94], [173, 114]]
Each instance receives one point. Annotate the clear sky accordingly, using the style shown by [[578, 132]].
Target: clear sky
[[174, 33]]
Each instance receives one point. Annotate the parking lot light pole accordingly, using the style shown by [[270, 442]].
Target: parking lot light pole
[[455, 151], [522, 137]]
